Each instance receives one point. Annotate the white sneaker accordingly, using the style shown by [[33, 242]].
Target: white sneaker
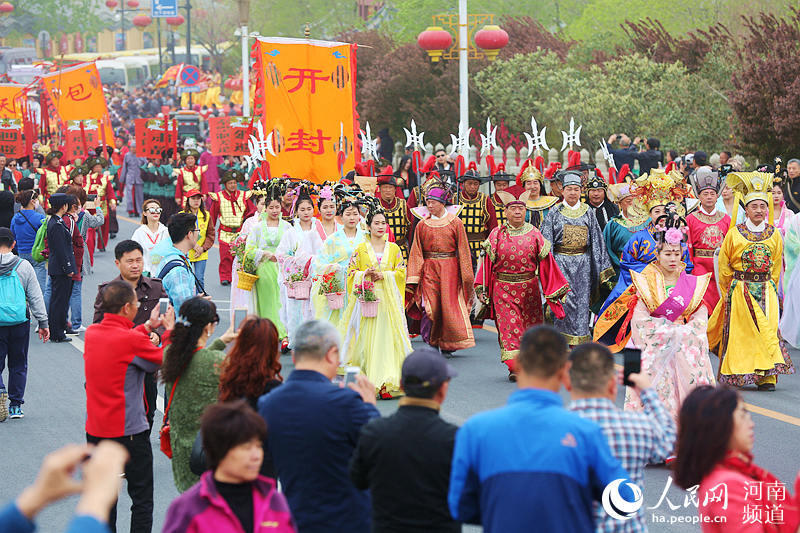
[[3, 405], [76, 331]]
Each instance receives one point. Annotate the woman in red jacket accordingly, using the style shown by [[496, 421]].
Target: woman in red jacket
[[715, 444]]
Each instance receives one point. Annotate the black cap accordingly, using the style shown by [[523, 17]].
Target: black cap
[[6, 236], [26, 184], [425, 369], [59, 199]]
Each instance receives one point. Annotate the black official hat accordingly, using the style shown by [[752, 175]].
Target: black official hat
[[425, 369]]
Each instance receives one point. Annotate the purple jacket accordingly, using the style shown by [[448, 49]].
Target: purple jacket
[[201, 509]]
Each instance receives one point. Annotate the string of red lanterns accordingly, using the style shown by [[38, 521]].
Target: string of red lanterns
[[435, 40]]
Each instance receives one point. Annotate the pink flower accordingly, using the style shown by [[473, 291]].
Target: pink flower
[[673, 236]]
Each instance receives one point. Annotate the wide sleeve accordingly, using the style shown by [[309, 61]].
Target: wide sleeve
[[726, 253], [356, 267], [777, 257], [554, 285], [601, 263], [415, 258], [398, 268], [608, 238], [464, 261]]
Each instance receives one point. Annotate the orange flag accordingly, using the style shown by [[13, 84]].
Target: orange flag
[[77, 94], [10, 106], [306, 95]]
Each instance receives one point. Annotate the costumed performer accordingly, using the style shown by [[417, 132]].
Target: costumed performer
[[622, 227], [379, 344], [231, 207], [262, 243], [440, 277], [581, 255], [790, 320], [335, 255], [707, 228], [653, 192], [295, 252], [662, 313], [743, 331], [516, 259]]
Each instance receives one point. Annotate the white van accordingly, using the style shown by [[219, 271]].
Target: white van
[[127, 74]]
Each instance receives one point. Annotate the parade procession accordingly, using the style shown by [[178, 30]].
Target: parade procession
[[360, 286]]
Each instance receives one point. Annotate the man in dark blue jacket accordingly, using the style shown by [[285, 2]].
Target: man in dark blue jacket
[[313, 427], [532, 461]]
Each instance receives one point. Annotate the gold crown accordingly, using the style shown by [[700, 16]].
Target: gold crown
[[658, 188], [751, 185], [532, 174]]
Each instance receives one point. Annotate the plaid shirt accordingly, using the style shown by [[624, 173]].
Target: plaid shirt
[[636, 439]]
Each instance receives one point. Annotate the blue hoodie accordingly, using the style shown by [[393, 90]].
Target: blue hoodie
[[24, 226]]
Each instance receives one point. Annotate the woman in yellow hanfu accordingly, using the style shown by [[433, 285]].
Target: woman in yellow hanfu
[[377, 344], [744, 327]]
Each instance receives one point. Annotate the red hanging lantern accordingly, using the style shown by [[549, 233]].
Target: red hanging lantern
[[491, 39], [140, 21], [175, 21], [6, 8], [111, 4], [435, 41], [133, 4]]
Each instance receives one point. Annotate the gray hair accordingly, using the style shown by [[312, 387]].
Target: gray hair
[[793, 161], [314, 338]]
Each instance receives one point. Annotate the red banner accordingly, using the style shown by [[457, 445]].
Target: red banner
[[11, 141], [81, 139], [154, 136], [229, 135]]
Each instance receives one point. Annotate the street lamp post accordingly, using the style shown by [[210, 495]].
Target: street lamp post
[[463, 69], [437, 42], [244, 16]]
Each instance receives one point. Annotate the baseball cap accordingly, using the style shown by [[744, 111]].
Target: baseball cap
[[425, 369], [701, 158]]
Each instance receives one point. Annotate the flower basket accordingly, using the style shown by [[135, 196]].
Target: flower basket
[[369, 309], [290, 292], [246, 280], [301, 289], [335, 300]]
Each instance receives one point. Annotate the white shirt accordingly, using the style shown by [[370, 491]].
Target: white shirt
[[709, 213], [148, 240], [756, 229], [570, 207]]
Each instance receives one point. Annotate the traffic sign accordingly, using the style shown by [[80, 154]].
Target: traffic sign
[[164, 8], [190, 75]]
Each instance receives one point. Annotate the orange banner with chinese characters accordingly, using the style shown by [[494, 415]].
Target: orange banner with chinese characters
[[10, 104], [77, 94], [305, 95]]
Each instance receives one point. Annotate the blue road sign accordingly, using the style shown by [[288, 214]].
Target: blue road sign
[[164, 8], [190, 75]]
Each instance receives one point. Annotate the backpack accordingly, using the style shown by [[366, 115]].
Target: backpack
[[13, 306], [39, 250], [174, 263]]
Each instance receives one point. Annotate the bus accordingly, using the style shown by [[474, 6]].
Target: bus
[[15, 56], [125, 73]]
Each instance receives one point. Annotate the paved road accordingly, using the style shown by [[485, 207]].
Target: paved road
[[55, 411]]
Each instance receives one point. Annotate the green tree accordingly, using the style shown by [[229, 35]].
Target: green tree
[[327, 18], [58, 16], [630, 93]]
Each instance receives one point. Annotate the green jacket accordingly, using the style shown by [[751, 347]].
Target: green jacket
[[197, 388]]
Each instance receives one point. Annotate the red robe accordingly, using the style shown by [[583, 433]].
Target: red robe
[[706, 234], [508, 277], [441, 279]]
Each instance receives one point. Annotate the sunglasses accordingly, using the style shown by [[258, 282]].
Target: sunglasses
[[154, 210]]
